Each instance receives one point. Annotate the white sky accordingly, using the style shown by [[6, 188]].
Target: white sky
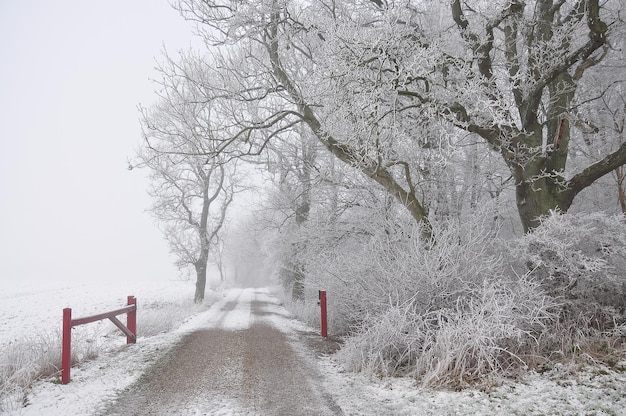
[[72, 73]]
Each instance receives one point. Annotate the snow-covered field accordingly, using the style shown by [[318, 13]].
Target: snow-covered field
[[29, 308], [34, 310]]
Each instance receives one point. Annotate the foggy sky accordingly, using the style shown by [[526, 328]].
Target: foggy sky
[[71, 76]]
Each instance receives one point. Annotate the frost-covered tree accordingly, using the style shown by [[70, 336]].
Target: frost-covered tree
[[273, 56], [391, 87], [518, 90], [191, 192]]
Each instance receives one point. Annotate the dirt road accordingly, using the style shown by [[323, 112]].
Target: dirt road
[[241, 363]]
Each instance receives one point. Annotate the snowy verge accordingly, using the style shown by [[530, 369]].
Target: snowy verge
[[593, 390], [97, 382]]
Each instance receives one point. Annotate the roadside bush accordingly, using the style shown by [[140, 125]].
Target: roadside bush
[[580, 259], [472, 306], [451, 314]]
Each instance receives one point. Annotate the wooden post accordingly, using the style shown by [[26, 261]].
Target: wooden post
[[66, 346], [131, 320]]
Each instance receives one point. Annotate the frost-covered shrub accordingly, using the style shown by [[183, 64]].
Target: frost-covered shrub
[[448, 314], [471, 305], [371, 270], [485, 333], [580, 260]]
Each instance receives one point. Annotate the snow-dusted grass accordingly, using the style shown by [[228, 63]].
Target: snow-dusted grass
[[563, 391], [37, 356], [162, 316]]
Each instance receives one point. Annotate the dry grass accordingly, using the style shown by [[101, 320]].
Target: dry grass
[[38, 356]]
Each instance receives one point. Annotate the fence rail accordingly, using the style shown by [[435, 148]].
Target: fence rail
[[130, 330]]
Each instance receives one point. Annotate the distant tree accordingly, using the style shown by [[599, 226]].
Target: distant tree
[[292, 167], [218, 256], [192, 192]]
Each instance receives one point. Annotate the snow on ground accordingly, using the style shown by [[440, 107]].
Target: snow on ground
[[593, 392], [96, 383]]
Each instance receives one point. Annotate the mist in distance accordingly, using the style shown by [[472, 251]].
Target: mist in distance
[[73, 75]]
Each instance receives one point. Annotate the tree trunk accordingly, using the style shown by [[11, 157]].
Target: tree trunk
[[535, 199], [539, 189], [203, 235], [293, 274], [200, 282], [620, 189]]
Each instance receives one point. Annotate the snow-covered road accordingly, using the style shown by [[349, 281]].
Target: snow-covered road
[[237, 362]]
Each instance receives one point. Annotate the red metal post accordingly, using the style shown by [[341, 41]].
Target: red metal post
[[131, 320], [324, 326], [66, 350]]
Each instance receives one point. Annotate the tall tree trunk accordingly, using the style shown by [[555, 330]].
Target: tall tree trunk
[[200, 281], [203, 235], [620, 188], [297, 290], [303, 210]]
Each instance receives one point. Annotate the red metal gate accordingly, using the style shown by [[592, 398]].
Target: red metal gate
[[130, 330]]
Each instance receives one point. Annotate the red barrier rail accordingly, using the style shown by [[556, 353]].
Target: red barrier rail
[[130, 330]]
